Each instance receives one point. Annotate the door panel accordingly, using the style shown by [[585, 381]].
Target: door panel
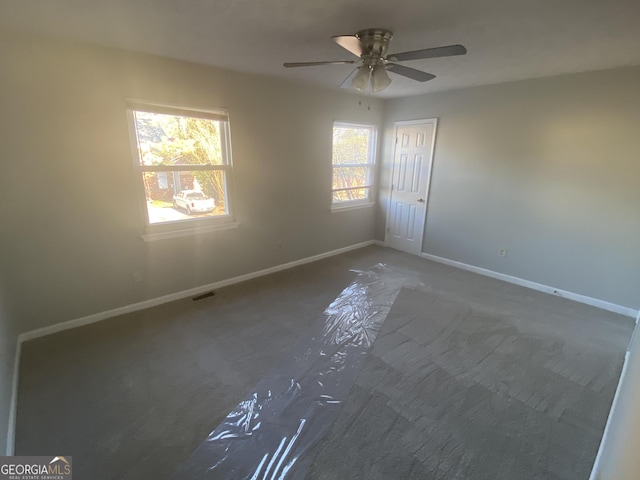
[[417, 171], [410, 182]]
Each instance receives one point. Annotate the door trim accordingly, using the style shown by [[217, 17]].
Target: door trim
[[405, 123]]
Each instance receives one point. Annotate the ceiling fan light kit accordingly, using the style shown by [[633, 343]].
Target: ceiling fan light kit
[[361, 80], [371, 46], [379, 78]]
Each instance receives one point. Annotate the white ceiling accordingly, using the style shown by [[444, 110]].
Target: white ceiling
[[506, 39]]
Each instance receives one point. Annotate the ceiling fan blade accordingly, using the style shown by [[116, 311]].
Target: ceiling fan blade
[[349, 42], [347, 81], [313, 64], [411, 73], [448, 51]]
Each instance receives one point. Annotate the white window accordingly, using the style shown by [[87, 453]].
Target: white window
[[353, 164], [184, 167], [163, 180]]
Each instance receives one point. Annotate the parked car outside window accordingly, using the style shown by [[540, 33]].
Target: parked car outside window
[[194, 201]]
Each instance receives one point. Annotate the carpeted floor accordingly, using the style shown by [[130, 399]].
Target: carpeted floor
[[453, 392], [470, 378]]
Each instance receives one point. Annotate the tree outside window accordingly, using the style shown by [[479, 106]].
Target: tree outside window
[[353, 162], [179, 151]]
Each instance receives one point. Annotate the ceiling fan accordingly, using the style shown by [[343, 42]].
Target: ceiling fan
[[371, 46]]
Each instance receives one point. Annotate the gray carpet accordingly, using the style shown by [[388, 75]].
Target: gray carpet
[[470, 378], [451, 392]]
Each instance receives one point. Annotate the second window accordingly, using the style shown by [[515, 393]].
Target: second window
[[353, 164]]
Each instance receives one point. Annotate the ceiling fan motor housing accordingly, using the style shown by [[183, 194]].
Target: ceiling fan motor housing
[[375, 42]]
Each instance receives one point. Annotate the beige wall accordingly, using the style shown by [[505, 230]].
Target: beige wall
[[547, 168], [70, 245]]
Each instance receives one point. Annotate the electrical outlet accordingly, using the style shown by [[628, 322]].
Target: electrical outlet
[[502, 252], [137, 277], [279, 244]]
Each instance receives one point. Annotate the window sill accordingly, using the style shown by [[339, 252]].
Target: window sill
[[152, 236], [356, 206]]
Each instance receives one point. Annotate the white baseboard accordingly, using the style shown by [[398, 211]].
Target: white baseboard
[[97, 317], [594, 302], [13, 405], [624, 379], [605, 435], [379, 243]]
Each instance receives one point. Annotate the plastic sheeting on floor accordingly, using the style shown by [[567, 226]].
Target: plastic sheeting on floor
[[266, 436]]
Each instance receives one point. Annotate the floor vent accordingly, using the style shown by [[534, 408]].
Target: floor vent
[[203, 296]]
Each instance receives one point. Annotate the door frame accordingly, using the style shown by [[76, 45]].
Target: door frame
[[403, 123]]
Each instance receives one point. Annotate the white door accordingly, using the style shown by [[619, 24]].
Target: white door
[[410, 185]]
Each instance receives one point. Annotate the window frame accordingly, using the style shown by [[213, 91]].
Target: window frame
[[370, 165], [186, 226]]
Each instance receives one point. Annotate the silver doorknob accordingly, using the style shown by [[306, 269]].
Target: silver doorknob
[[421, 200]]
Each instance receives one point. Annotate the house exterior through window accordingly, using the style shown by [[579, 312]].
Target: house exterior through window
[[184, 165]]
